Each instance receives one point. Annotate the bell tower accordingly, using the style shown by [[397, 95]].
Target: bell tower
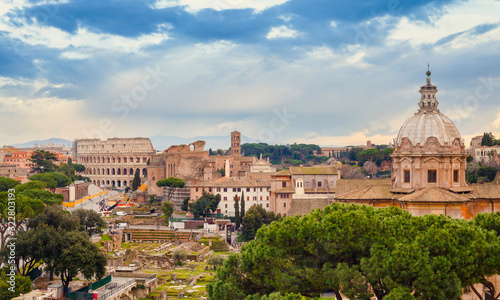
[[235, 143]]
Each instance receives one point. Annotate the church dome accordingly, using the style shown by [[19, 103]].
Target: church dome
[[428, 121], [423, 125]]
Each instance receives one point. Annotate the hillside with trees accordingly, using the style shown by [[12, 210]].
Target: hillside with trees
[[295, 154]]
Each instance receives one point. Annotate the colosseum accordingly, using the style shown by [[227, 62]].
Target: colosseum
[[113, 162]]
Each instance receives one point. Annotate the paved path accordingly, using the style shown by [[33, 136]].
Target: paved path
[[93, 203]]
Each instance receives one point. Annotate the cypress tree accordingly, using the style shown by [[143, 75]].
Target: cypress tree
[[136, 183], [237, 219], [242, 210]]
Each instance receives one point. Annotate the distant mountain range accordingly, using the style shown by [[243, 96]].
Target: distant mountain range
[[160, 142], [55, 141]]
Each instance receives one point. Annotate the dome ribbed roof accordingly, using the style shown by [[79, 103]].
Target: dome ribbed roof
[[428, 121], [425, 124]]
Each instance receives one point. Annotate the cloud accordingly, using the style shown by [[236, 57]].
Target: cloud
[[281, 32], [218, 5], [346, 71]]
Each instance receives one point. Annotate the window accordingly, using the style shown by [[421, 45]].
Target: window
[[261, 189], [455, 175], [234, 189], [218, 189], [225, 190], [196, 189], [202, 189], [226, 205], [225, 198], [319, 183], [255, 198], [248, 189], [431, 176], [210, 189], [248, 198], [267, 204], [260, 198], [284, 204], [283, 184], [239, 189], [407, 176], [267, 198]]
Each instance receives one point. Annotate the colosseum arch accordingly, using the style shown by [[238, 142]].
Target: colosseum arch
[[124, 171], [113, 171], [118, 171]]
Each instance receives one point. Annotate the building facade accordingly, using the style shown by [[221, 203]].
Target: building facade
[[486, 154], [299, 190], [428, 151], [428, 176], [255, 187], [113, 162]]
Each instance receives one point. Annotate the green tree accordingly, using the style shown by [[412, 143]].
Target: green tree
[[237, 216], [78, 168], [90, 221], [255, 221], [136, 182], [77, 254], [171, 184], [215, 260], [25, 207], [242, 210], [7, 183], [488, 139], [168, 209], [204, 205], [22, 285], [44, 161], [57, 218], [53, 179], [470, 158], [27, 251], [359, 251], [179, 256], [152, 199], [185, 204]]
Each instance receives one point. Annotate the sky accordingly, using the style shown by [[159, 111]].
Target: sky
[[328, 72]]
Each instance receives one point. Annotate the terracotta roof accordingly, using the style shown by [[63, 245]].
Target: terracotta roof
[[283, 173], [369, 192], [402, 191], [434, 194], [319, 190], [313, 170], [490, 190], [461, 189], [285, 190], [349, 185]]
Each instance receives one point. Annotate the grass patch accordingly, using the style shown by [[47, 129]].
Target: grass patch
[[105, 237]]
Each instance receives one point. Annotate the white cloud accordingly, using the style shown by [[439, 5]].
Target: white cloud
[[281, 32], [458, 18], [74, 55], [333, 24], [214, 47], [320, 52], [197, 5]]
